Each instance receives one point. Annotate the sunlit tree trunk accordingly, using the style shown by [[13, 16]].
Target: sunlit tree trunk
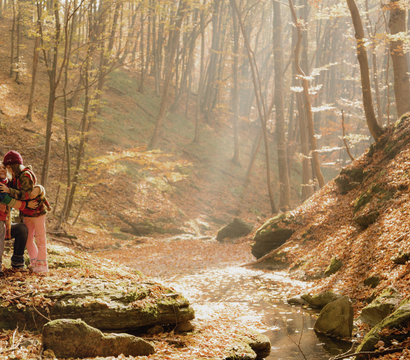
[[397, 24], [284, 198], [201, 77], [180, 17], [375, 129], [18, 47], [308, 109], [12, 40], [33, 78], [235, 90]]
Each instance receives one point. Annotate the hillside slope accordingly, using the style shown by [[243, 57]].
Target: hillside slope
[[362, 218]]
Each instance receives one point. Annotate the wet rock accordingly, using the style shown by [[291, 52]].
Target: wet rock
[[334, 266], [237, 228], [320, 300], [296, 300], [259, 343], [86, 341], [336, 319], [398, 319], [249, 345], [372, 281], [240, 351], [272, 234], [105, 305], [380, 308], [401, 258]]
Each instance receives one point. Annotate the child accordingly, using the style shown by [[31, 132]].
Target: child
[[21, 187], [18, 231]]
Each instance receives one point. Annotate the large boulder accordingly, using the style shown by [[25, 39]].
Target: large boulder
[[380, 308], [336, 319], [75, 339], [399, 319], [236, 228], [272, 234], [103, 304]]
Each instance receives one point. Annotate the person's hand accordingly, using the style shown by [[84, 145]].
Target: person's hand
[[4, 189], [32, 204]]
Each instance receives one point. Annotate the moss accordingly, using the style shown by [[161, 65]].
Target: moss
[[366, 197]]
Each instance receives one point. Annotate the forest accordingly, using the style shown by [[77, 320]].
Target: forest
[[225, 179]]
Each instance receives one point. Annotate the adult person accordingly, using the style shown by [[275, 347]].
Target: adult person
[[18, 231]]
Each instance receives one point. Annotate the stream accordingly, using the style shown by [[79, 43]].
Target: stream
[[261, 295]]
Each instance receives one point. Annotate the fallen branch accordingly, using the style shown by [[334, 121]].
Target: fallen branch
[[72, 242], [172, 341], [38, 312], [19, 296], [61, 234], [267, 256], [377, 353]]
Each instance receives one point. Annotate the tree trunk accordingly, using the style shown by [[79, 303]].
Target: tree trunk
[[259, 102], [308, 108], [33, 78], [180, 17], [397, 24], [284, 199], [18, 47], [213, 60], [141, 87], [375, 129], [235, 90], [201, 78], [12, 41]]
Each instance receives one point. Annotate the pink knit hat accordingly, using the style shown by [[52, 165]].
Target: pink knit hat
[[12, 157]]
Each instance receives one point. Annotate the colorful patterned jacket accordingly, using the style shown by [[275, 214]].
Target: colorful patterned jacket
[[21, 188], [7, 202]]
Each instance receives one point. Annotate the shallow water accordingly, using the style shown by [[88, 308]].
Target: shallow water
[[262, 295]]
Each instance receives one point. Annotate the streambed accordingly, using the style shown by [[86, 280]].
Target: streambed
[[260, 298]]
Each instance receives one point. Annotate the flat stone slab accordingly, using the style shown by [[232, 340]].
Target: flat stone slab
[[69, 338], [103, 304]]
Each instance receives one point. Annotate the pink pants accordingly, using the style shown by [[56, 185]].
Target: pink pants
[[38, 253]]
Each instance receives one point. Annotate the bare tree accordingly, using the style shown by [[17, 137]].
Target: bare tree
[[375, 129]]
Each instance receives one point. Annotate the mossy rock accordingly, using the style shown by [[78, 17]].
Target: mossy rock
[[372, 281], [320, 300], [401, 258], [336, 318], [69, 338], [354, 174], [104, 305], [366, 219], [237, 228], [398, 319], [250, 345], [334, 266], [380, 308], [366, 206], [272, 234]]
